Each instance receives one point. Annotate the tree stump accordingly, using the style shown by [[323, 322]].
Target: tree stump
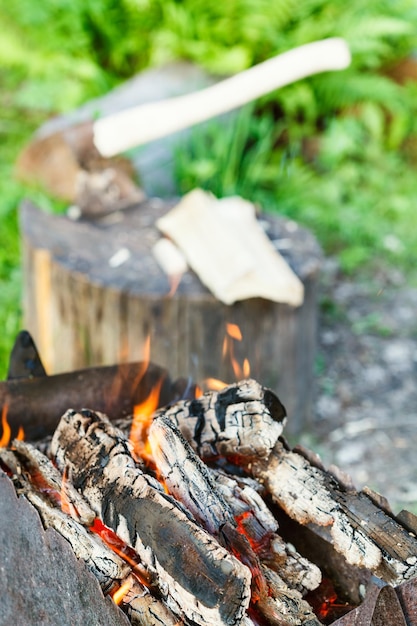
[[83, 309]]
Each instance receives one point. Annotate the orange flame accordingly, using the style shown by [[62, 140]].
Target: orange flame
[[120, 593], [214, 384], [233, 333], [142, 419], [5, 438], [66, 505], [122, 549], [198, 392]]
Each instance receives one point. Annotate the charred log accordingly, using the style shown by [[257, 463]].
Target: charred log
[[194, 485], [37, 403], [242, 420], [260, 526], [41, 471], [360, 530], [195, 576], [215, 499]]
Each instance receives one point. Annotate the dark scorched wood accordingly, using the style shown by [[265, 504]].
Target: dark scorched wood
[[365, 534], [37, 404], [195, 576], [190, 481], [242, 420]]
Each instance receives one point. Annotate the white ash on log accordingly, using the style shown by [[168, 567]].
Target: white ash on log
[[195, 576], [216, 499], [243, 419], [143, 609], [40, 468], [364, 533], [190, 481], [111, 571], [260, 526], [42, 581]]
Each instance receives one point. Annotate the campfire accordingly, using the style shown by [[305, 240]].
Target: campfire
[[191, 508]]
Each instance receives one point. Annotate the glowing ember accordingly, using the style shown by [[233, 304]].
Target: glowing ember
[[120, 593], [243, 522], [326, 603], [122, 549], [5, 438]]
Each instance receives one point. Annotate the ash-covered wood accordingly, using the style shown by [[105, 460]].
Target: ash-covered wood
[[195, 576], [42, 582], [110, 569], [242, 420], [186, 476], [42, 472], [360, 530], [285, 606], [260, 526], [216, 499], [143, 609]]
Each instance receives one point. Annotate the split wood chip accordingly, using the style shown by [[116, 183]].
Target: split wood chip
[[169, 257], [229, 251]]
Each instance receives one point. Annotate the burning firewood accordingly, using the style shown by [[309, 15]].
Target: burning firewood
[[189, 479], [194, 575], [260, 526], [110, 569], [143, 609], [40, 469], [179, 529], [216, 499], [364, 533], [242, 420]]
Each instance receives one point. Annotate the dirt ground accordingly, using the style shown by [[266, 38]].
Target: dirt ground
[[365, 409]]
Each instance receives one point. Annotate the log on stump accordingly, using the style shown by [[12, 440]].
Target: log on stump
[[83, 308]]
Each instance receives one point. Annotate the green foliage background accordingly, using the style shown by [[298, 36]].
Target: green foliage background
[[337, 151]]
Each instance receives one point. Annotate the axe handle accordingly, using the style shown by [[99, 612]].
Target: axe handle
[[139, 125]]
